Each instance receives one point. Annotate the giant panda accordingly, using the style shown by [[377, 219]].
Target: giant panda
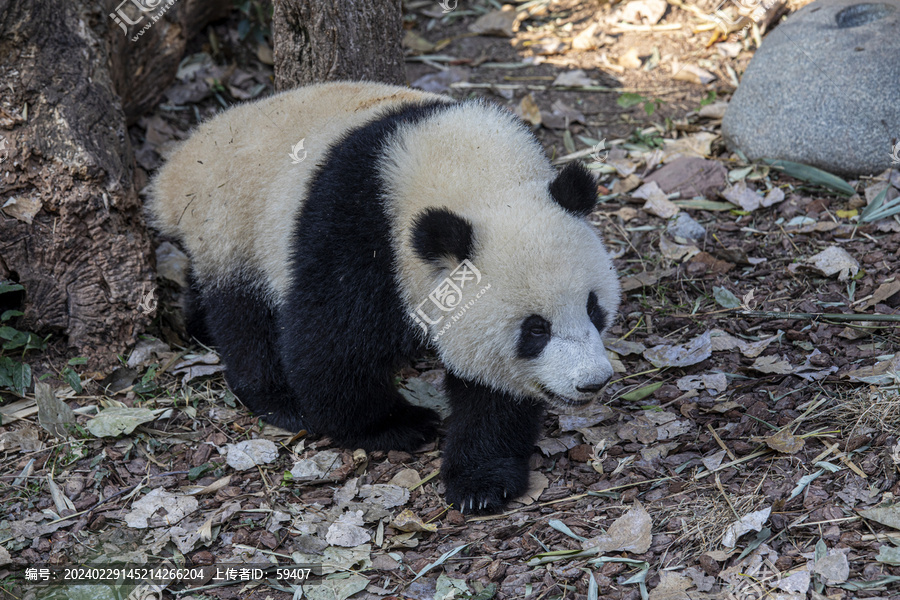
[[408, 220]]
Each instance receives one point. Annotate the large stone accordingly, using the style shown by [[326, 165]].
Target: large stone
[[823, 89]]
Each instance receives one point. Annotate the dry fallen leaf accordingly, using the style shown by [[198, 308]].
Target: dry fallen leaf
[[772, 364], [883, 292], [628, 533], [714, 382], [834, 260], [784, 441], [695, 144], [160, 508], [888, 514], [573, 78], [497, 22], [347, 531], [672, 586], [587, 39], [834, 566], [407, 478], [674, 251], [684, 355], [249, 453], [408, 521], [743, 196], [529, 111], [537, 483], [724, 341], [750, 522], [317, 466]]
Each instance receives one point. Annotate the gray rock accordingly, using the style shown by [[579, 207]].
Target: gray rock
[[823, 89], [684, 226]]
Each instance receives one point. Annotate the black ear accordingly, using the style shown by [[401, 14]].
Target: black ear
[[440, 233], [575, 189]]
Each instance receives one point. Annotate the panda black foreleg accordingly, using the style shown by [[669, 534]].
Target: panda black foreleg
[[242, 326], [490, 439]]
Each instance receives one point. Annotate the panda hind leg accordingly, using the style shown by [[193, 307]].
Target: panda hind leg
[[381, 419], [242, 326]]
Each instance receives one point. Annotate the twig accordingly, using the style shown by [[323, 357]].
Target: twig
[[732, 463], [720, 442], [803, 316]]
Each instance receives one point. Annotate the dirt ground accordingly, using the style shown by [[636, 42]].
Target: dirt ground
[[747, 447]]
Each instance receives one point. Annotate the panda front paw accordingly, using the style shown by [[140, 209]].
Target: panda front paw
[[406, 428], [485, 487]]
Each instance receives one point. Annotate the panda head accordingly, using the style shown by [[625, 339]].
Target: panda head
[[540, 292]]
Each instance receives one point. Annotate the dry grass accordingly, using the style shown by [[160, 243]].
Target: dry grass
[[872, 409], [702, 517]]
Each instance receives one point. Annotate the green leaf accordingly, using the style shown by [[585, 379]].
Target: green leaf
[[710, 98], [8, 333], [10, 287], [628, 99], [649, 108], [812, 175], [641, 393], [21, 377], [6, 369], [9, 314], [878, 209], [888, 555], [725, 298], [116, 421], [71, 377], [440, 561], [563, 528], [487, 593], [78, 360], [761, 537], [875, 584], [703, 204], [568, 142]]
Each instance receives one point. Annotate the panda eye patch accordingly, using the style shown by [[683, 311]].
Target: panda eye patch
[[595, 312], [534, 335]]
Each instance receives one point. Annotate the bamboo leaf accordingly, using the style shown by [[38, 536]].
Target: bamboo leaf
[[811, 175]]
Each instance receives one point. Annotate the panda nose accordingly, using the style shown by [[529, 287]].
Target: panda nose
[[592, 387]]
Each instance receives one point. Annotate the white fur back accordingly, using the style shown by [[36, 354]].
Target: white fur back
[[231, 193]]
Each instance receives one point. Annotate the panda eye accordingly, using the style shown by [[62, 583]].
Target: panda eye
[[534, 336], [537, 326], [595, 313]]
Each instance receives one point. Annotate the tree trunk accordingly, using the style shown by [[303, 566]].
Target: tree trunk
[[319, 41], [71, 224]]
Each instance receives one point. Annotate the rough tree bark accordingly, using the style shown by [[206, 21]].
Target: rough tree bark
[[71, 225], [318, 40]]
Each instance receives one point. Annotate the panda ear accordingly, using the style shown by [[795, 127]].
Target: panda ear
[[575, 189], [439, 233]]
